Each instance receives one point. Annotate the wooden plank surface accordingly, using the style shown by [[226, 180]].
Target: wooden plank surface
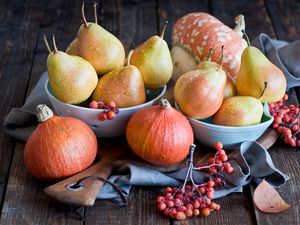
[[130, 20], [25, 201], [19, 25]]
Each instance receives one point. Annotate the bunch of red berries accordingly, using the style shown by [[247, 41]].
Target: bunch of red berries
[[109, 111], [286, 121], [193, 199]]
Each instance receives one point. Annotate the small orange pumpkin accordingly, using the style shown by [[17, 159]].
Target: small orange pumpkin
[[59, 147], [160, 134]]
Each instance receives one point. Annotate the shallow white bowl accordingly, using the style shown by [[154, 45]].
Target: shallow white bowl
[[208, 133], [108, 128]]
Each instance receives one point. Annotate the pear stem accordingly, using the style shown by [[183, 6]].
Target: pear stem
[[210, 54], [83, 15], [222, 56], [54, 43], [46, 43], [247, 38], [95, 12], [164, 29], [265, 88], [129, 57]]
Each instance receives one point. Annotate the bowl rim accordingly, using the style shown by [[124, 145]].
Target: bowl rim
[[164, 88], [265, 112]]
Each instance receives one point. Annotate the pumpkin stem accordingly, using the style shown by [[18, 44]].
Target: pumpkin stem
[[43, 113], [164, 104], [240, 24], [83, 15], [129, 57], [95, 12], [247, 38], [210, 54]]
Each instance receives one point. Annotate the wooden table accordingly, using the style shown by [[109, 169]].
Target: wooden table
[[23, 59]]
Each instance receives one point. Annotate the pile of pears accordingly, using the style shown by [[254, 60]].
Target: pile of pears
[[94, 67], [209, 92]]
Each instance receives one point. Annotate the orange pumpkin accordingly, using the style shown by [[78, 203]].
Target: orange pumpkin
[[160, 134], [59, 147], [197, 33]]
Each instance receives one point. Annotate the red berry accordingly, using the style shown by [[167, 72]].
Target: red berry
[[286, 118], [221, 152], [295, 128], [177, 201], [292, 142], [207, 201], [210, 194], [94, 105], [102, 116], [196, 204], [202, 190], [205, 212], [223, 158], [210, 183], [181, 208], [189, 206], [196, 212], [160, 199], [218, 145], [213, 205], [188, 212], [111, 115], [166, 212], [228, 169], [168, 190], [170, 203], [285, 97], [111, 104], [211, 160], [180, 216], [162, 206]]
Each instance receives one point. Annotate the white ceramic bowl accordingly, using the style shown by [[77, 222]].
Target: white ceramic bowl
[[231, 137], [108, 128]]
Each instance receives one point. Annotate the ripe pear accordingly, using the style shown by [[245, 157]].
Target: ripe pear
[[200, 93], [153, 59], [239, 111], [72, 48], [101, 48], [254, 71], [72, 78], [123, 85], [230, 89]]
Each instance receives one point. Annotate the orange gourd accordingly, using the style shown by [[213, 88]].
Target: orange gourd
[[160, 134], [59, 147], [198, 32]]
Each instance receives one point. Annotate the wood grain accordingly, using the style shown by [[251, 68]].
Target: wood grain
[[256, 17], [25, 202], [19, 30]]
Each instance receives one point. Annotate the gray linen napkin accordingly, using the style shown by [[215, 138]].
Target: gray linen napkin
[[251, 162]]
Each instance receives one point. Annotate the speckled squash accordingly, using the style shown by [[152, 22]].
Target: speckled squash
[[198, 32]]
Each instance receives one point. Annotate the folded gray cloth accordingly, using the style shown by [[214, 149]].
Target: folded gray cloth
[[252, 162]]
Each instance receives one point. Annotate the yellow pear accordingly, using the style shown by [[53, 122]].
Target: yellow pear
[[240, 110], [72, 78], [254, 71], [123, 85], [101, 48], [154, 61], [72, 48]]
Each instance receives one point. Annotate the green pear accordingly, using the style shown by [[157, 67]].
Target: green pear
[[101, 48], [123, 85], [72, 78], [254, 71], [154, 60], [239, 111]]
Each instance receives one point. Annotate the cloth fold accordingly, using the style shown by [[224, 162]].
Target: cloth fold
[[251, 162]]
